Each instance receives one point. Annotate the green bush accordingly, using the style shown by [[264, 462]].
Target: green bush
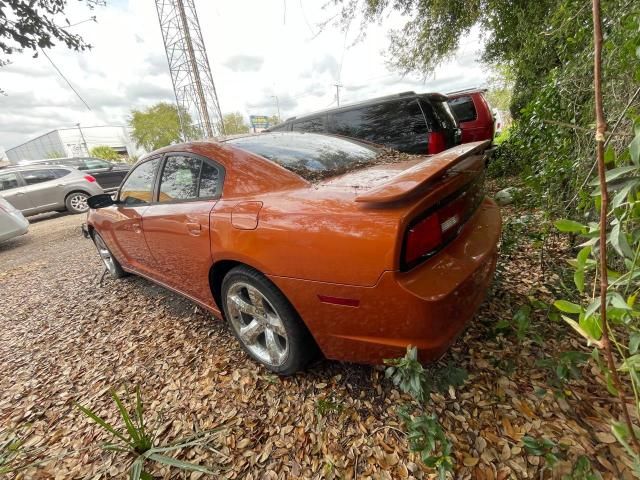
[[104, 152]]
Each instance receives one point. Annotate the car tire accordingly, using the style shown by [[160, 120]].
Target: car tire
[[266, 325], [76, 202], [110, 262]]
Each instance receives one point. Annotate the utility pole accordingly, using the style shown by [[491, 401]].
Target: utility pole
[[191, 76], [338, 87], [278, 106], [84, 142]]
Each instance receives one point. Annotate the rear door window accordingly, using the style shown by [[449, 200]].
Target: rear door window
[[9, 181], [60, 172], [188, 178], [33, 177], [463, 108], [210, 181], [180, 179], [93, 164], [138, 187]]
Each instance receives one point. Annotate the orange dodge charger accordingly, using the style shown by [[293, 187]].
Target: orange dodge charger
[[305, 241]]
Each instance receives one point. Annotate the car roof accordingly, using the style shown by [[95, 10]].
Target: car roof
[[61, 159], [371, 101], [34, 167]]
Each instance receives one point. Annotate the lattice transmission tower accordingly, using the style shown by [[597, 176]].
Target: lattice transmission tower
[[189, 67]]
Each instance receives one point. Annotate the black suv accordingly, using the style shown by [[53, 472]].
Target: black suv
[[108, 175], [408, 122]]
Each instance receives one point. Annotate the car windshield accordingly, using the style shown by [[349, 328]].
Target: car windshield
[[310, 155]]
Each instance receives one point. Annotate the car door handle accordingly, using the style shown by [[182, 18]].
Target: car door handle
[[194, 228], [136, 227]]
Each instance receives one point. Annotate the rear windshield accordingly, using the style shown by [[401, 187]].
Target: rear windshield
[[443, 117], [310, 155], [463, 108]]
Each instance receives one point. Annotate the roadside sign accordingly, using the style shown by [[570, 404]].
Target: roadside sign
[[259, 121]]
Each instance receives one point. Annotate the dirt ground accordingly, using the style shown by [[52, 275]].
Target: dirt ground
[[66, 338]]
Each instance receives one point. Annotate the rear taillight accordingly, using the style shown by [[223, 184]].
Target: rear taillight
[[430, 234], [89, 178], [424, 237], [436, 143], [2, 209]]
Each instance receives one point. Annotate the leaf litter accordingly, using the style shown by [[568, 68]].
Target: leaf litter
[[64, 339]]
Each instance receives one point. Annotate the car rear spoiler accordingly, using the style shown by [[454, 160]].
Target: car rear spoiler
[[415, 178]]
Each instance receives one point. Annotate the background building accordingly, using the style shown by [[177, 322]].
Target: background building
[[74, 142]]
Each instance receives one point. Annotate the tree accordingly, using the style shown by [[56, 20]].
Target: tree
[[158, 126], [234, 123], [36, 24], [104, 152], [500, 87], [274, 120]]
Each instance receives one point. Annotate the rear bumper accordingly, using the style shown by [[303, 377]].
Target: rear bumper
[[426, 307], [13, 226]]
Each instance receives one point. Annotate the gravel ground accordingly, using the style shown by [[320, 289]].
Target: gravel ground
[[66, 338]]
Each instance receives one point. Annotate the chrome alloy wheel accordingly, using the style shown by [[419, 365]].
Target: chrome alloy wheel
[[105, 254], [78, 202], [257, 324]]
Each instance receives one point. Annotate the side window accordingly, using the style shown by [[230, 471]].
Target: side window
[[33, 177], [60, 172], [209, 181], [283, 127], [8, 181], [180, 179], [463, 108], [93, 163], [310, 125], [138, 188]]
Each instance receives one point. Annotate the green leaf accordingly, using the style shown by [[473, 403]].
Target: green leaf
[[581, 261], [107, 426], [136, 468], [614, 173], [592, 326], [567, 307], [618, 302], [569, 226], [172, 462], [131, 429], [622, 195], [632, 362], [619, 242], [634, 342], [621, 432], [609, 155], [634, 150]]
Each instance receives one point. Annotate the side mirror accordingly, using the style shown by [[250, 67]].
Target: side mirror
[[100, 201]]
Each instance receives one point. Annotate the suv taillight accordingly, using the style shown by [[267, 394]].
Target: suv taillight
[[436, 143], [89, 178]]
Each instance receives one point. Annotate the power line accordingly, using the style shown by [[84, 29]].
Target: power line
[[65, 79]]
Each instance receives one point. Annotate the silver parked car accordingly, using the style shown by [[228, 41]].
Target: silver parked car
[[42, 189], [12, 222]]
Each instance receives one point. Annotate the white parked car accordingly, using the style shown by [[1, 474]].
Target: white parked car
[[12, 222]]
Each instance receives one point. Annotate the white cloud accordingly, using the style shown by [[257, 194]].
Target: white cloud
[[255, 51]]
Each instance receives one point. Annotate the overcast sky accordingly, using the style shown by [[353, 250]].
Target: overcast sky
[[256, 50]]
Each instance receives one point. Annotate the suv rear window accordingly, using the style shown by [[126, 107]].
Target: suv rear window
[[305, 153], [309, 125], [380, 123], [463, 108]]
